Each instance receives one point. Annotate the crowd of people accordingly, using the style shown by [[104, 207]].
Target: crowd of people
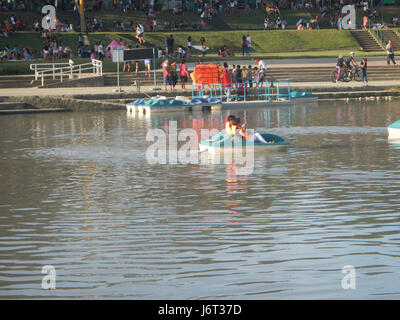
[[53, 47], [13, 24], [15, 53], [205, 9], [236, 77]]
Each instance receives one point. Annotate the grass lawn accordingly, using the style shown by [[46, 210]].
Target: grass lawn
[[266, 41], [267, 44], [255, 19], [262, 41]]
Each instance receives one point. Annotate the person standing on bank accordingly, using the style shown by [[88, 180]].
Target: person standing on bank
[[244, 45], [183, 74], [364, 77], [390, 52], [170, 45], [189, 45], [147, 67], [226, 81], [166, 72]]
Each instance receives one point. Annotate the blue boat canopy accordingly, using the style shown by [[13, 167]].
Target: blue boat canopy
[[395, 125], [304, 94]]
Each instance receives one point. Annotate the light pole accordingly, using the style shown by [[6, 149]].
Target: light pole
[[82, 15]]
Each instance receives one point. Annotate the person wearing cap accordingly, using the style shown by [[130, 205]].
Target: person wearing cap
[[350, 62], [390, 52]]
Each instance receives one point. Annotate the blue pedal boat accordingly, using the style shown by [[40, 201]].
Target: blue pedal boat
[[163, 104], [222, 141], [394, 129]]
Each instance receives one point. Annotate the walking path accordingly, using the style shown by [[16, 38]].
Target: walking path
[[15, 92], [298, 63]]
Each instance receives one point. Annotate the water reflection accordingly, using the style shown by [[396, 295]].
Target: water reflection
[[78, 193]]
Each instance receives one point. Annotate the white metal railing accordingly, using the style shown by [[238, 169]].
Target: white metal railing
[[61, 69]]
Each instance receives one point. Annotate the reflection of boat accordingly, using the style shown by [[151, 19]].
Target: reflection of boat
[[162, 104], [394, 129], [203, 101], [224, 141], [394, 142]]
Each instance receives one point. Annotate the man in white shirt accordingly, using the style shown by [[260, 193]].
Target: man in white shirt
[[261, 64]]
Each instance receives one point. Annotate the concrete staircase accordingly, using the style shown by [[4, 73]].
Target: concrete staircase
[[293, 74], [366, 41], [394, 37]]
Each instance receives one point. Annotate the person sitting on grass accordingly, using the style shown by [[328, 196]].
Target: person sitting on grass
[[225, 52], [3, 54], [181, 53], [27, 54]]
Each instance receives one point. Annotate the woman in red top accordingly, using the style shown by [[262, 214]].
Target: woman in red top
[[183, 73], [226, 81]]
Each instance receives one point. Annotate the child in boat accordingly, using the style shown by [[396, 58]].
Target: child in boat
[[256, 137]]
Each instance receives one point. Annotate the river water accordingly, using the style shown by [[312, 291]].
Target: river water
[[78, 194]]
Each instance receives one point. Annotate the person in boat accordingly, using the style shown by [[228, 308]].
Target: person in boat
[[230, 127], [256, 137]]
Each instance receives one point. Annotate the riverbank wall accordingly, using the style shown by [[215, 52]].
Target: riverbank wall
[[96, 101]]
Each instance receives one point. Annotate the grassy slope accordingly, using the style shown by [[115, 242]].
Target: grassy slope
[[263, 41], [255, 19], [268, 44]]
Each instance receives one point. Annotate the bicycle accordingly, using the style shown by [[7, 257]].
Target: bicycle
[[347, 76]]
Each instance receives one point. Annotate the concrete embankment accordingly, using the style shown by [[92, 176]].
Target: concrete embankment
[[23, 107], [338, 93], [87, 99], [54, 103]]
